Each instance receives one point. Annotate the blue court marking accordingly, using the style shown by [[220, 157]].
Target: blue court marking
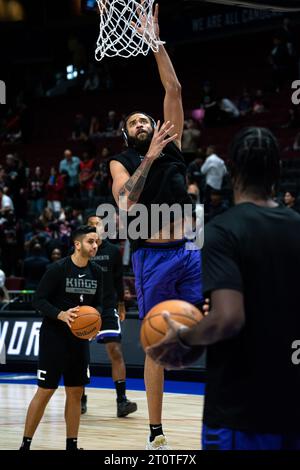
[[171, 386]]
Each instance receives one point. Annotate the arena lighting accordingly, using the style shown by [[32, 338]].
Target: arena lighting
[[11, 10], [273, 5]]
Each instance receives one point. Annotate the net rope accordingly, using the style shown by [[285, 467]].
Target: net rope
[[126, 29]]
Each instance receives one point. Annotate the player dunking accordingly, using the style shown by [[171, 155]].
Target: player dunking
[[109, 258], [69, 282], [152, 171]]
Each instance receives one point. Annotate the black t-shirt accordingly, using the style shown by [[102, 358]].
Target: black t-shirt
[[165, 183], [65, 285], [252, 383], [109, 259]]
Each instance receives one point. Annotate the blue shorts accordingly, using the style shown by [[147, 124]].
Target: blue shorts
[[230, 439], [165, 271]]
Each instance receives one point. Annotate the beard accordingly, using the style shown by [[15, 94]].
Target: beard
[[141, 142]]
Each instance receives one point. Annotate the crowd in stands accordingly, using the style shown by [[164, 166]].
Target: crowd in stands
[[41, 205]]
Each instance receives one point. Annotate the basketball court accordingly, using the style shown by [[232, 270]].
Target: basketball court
[[99, 427], [126, 30]]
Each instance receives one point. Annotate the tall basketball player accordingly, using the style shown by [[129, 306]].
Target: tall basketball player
[[69, 282], [152, 171]]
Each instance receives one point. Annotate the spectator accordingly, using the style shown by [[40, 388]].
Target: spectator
[[55, 190], [80, 128], [215, 206], [289, 35], [111, 125], [212, 111], [194, 174], [245, 103], [47, 216], [10, 251], [190, 137], [130, 302], [228, 110], [34, 267], [36, 191], [280, 62], [17, 183], [4, 297], [214, 170], [70, 164], [6, 204], [259, 103], [293, 121], [194, 192], [95, 128], [290, 200], [102, 180], [105, 154], [56, 255], [209, 104], [87, 174], [3, 179], [4, 294]]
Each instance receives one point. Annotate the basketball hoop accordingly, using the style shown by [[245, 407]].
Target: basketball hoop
[[126, 28]]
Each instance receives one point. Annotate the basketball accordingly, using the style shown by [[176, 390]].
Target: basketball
[[154, 326], [87, 324]]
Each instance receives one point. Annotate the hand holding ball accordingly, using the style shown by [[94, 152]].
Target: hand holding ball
[[154, 326], [87, 323]]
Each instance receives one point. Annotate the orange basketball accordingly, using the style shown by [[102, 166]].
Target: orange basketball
[[87, 324], [154, 326]]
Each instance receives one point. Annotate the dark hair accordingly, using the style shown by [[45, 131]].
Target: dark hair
[[292, 192], [254, 159], [81, 231], [88, 216]]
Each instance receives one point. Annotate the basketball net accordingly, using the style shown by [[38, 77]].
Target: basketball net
[[126, 28]]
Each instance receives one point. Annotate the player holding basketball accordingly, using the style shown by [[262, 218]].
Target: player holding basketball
[[251, 259], [109, 258], [69, 282], [152, 171]]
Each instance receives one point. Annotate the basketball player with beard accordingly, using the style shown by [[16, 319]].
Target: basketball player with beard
[[152, 171]]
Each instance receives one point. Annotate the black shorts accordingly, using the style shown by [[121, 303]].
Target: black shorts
[[111, 328], [62, 354]]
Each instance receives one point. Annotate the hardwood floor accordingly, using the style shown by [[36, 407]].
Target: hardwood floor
[[99, 428]]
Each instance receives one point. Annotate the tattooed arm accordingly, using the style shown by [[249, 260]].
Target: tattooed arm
[[127, 189]]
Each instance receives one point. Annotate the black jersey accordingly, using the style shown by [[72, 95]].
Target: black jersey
[[252, 383], [165, 183], [65, 285], [109, 259]]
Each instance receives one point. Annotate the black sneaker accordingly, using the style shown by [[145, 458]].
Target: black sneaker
[[83, 404], [125, 407]]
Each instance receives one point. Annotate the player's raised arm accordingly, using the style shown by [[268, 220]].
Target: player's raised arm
[[173, 109]]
